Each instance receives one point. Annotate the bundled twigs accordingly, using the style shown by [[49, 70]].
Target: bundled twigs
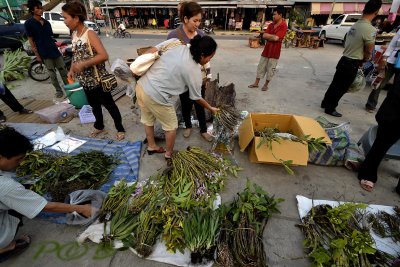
[[249, 215], [270, 135], [117, 197], [228, 117], [336, 236], [386, 225], [121, 227]]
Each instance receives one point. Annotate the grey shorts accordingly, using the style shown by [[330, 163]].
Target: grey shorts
[[266, 66]]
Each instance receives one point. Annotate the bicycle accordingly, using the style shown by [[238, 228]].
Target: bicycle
[[124, 34]]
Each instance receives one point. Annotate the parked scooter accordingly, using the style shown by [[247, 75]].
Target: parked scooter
[[38, 72], [208, 28]]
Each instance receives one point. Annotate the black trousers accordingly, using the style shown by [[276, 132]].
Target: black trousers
[[10, 101], [386, 137], [187, 104], [96, 98], [346, 71]]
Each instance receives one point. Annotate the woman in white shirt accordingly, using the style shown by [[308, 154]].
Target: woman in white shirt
[[175, 72]]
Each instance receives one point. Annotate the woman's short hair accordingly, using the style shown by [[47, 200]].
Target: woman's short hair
[[189, 9], [202, 46], [75, 9], [12, 143]]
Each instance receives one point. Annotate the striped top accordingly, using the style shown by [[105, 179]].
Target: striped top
[[13, 196]]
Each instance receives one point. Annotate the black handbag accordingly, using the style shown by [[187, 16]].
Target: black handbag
[[108, 81]]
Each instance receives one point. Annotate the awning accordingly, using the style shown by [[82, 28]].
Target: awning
[[343, 8]]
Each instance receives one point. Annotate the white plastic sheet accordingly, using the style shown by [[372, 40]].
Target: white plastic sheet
[[385, 244]]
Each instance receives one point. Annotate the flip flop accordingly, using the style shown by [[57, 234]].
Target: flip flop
[[159, 150], [264, 88], [252, 86], [367, 185], [20, 246], [25, 111], [95, 133], [120, 136]]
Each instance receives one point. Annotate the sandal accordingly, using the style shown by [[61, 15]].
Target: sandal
[[367, 185], [95, 133], [264, 88], [252, 86], [21, 245], [25, 111], [120, 136], [159, 150]]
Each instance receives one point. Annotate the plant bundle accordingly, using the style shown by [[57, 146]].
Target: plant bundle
[[200, 231], [16, 63], [228, 117], [270, 135], [121, 226], [196, 176], [117, 197], [386, 225], [336, 237], [60, 175], [149, 226], [161, 205], [248, 215]]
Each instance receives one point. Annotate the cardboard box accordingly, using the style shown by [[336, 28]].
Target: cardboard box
[[286, 149]]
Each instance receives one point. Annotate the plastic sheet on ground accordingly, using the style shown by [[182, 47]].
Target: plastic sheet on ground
[[160, 254], [385, 244]]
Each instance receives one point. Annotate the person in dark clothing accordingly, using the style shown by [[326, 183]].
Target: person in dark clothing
[[360, 42], [40, 36], [11, 101], [388, 118]]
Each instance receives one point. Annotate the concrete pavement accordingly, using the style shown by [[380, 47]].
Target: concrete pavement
[[298, 87]]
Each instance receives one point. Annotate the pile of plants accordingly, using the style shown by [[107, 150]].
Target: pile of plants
[[16, 63], [225, 125], [241, 238], [60, 175], [339, 237], [183, 194], [270, 135], [385, 224]]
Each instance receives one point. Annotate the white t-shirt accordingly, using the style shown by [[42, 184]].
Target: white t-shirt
[[174, 73], [121, 26], [13, 196]]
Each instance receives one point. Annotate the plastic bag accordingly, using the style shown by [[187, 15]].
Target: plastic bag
[[80, 197], [122, 70], [358, 83]]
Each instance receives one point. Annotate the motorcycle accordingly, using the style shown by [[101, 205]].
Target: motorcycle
[[38, 72], [208, 28]]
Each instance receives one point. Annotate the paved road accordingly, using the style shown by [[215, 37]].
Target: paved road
[[302, 77]]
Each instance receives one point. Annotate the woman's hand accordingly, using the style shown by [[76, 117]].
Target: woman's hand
[[78, 67], [214, 110], [71, 75]]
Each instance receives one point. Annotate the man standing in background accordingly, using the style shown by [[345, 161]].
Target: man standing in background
[[269, 58], [360, 42], [40, 36]]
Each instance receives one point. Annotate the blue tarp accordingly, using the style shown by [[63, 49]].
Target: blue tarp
[[128, 155]]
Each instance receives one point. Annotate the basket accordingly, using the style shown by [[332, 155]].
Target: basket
[[86, 114]]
